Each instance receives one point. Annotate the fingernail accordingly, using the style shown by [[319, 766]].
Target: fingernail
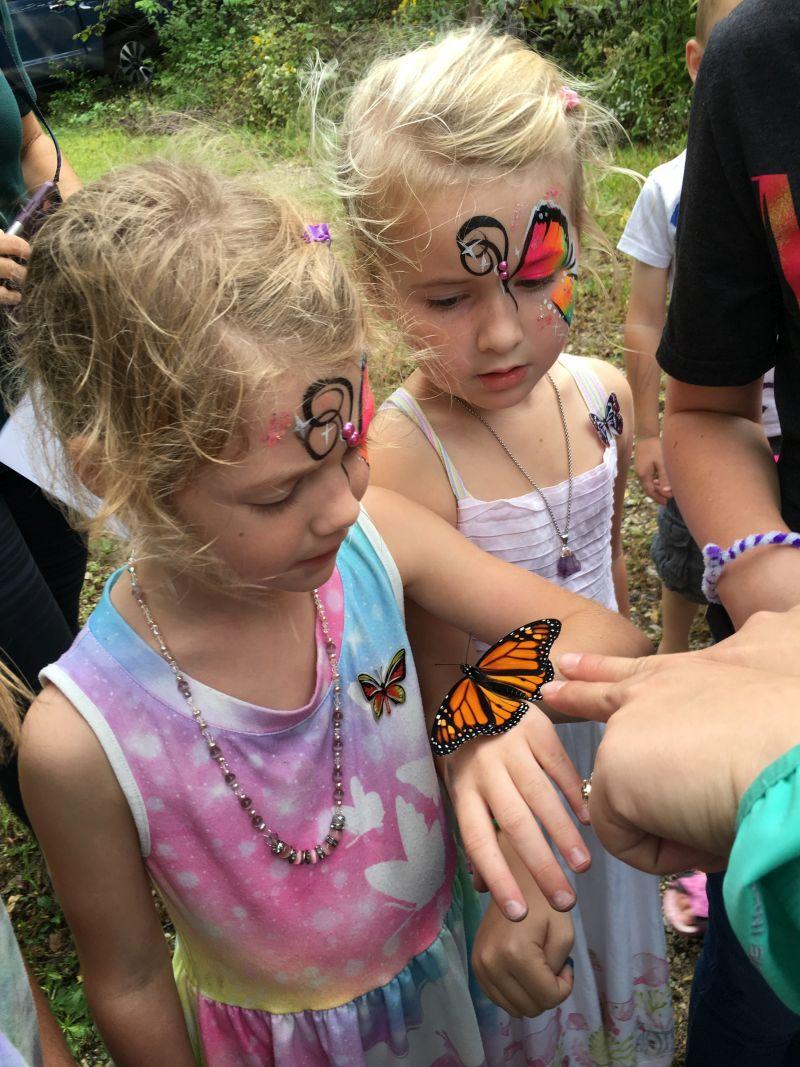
[[551, 688], [569, 660], [515, 911], [578, 857], [562, 900]]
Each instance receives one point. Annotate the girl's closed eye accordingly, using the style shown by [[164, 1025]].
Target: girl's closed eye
[[445, 303], [534, 283], [279, 504]]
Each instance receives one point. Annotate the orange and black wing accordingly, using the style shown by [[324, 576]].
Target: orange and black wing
[[521, 659], [470, 709]]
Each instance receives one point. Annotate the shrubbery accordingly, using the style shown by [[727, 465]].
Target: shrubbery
[[243, 57]]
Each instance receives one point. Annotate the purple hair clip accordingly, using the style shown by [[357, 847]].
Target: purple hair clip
[[569, 97], [317, 233]]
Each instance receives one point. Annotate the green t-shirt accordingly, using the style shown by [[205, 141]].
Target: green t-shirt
[[762, 883], [12, 186]]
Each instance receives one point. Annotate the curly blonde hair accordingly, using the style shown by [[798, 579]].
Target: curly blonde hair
[[12, 694], [473, 106], [161, 303]]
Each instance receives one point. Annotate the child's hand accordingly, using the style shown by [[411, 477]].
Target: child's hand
[[507, 778], [650, 469], [524, 967]]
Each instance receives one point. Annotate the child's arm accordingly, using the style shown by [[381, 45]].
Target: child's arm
[[84, 826], [502, 778], [524, 968], [643, 327]]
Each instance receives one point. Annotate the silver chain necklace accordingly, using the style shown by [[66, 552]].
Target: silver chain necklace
[[568, 562], [278, 847]]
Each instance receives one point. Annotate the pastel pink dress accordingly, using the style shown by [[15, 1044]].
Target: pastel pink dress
[[359, 960], [620, 1010]]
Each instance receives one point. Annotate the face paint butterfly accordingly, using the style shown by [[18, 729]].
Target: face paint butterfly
[[610, 423], [495, 693], [382, 694]]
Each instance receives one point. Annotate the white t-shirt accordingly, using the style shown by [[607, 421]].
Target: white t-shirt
[[649, 236]]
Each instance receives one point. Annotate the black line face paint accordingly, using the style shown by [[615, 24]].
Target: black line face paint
[[483, 245], [327, 405], [328, 414]]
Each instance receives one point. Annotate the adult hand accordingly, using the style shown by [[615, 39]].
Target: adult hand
[[685, 739], [11, 272], [768, 641], [651, 470]]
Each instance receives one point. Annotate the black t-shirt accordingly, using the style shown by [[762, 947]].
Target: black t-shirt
[[735, 309]]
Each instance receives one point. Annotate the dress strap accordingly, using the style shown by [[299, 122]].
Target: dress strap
[[595, 397], [403, 401]]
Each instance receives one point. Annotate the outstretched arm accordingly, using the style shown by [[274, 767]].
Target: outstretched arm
[[505, 778]]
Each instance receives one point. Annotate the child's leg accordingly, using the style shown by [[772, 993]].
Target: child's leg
[[677, 616]]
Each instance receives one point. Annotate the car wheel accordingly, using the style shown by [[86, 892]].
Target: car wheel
[[130, 59]]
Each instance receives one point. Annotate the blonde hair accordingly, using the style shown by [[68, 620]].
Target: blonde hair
[[472, 106], [12, 693], [161, 302]]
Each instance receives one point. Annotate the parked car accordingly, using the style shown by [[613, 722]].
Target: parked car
[[46, 34]]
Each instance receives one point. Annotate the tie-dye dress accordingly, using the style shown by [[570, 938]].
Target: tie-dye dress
[[359, 960]]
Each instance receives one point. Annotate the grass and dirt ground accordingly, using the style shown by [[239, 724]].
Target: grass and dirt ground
[[598, 331]]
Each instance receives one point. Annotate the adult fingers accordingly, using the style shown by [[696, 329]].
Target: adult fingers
[[479, 838], [9, 296], [14, 246], [11, 271], [584, 700], [593, 667]]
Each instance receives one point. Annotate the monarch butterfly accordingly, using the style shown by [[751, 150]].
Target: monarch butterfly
[[495, 693], [381, 695], [610, 423]]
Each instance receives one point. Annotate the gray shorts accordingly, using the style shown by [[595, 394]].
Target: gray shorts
[[678, 560]]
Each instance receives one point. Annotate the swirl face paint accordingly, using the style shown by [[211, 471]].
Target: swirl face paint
[[547, 249], [329, 415]]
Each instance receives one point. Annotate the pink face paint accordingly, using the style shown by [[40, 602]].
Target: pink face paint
[[276, 428]]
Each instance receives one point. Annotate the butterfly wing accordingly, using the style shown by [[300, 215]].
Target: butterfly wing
[[600, 426], [396, 671], [613, 417], [374, 693], [470, 709], [519, 663]]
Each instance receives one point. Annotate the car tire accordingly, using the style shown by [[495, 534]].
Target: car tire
[[130, 57]]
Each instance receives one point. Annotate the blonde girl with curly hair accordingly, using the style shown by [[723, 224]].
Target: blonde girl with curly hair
[[462, 170], [240, 722]]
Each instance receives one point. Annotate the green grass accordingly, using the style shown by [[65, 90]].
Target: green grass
[[92, 150]]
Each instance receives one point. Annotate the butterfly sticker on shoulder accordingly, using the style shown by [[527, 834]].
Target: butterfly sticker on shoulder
[[610, 422], [381, 694], [495, 693]]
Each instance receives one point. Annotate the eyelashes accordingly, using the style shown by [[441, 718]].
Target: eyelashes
[[449, 303]]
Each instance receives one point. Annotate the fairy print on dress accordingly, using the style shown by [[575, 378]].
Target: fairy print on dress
[[547, 249]]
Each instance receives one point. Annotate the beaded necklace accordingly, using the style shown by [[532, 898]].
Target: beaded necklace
[[277, 846]]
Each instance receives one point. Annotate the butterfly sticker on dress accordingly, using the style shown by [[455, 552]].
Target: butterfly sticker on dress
[[382, 694], [611, 422], [495, 693]]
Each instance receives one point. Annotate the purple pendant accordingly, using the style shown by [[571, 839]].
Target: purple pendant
[[568, 564]]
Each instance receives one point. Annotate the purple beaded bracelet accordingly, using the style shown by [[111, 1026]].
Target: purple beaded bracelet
[[715, 557]]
